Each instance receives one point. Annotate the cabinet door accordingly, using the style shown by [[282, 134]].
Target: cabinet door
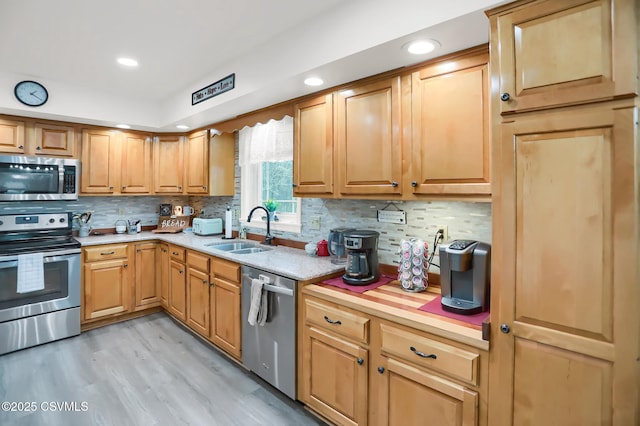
[[12, 139], [225, 316], [100, 162], [411, 396], [368, 138], [135, 174], [556, 53], [168, 164], [198, 301], [313, 146], [450, 123], [222, 165], [165, 274], [566, 332], [177, 290], [55, 140], [335, 377], [106, 288], [147, 284], [196, 170]]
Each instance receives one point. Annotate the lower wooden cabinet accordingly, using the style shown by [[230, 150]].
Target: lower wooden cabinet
[[164, 273], [198, 292], [177, 289], [147, 273], [224, 302], [106, 281], [358, 369]]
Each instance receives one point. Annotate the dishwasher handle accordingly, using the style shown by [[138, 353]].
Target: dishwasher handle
[[272, 288]]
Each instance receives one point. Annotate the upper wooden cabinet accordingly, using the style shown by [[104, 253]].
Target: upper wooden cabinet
[[450, 143], [114, 162], [222, 165], [136, 175], [196, 165], [168, 163], [313, 146], [369, 151], [541, 64], [37, 138]]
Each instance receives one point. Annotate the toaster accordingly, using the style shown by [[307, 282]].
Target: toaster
[[202, 226]]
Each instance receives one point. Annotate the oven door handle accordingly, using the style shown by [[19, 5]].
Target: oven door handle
[[53, 256]]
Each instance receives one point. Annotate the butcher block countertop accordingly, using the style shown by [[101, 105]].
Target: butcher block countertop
[[392, 303]]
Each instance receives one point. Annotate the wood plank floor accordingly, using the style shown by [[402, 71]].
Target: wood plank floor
[[146, 371]]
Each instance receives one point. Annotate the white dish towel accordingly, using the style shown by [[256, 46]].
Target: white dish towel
[[30, 272], [256, 300]]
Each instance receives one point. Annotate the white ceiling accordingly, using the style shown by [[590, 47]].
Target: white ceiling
[[271, 45]]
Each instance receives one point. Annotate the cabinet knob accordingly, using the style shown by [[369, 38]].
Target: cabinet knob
[[125, 265], [174, 253], [111, 187], [179, 188], [204, 187], [360, 361], [21, 147], [414, 183], [505, 328], [124, 187], [394, 184], [330, 321], [138, 250], [181, 271], [380, 370], [422, 354], [295, 185], [38, 148], [211, 284], [505, 97], [205, 281]]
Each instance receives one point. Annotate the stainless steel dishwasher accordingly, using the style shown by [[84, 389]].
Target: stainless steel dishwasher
[[270, 350]]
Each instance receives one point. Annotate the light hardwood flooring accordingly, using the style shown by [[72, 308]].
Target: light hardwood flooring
[[146, 371]]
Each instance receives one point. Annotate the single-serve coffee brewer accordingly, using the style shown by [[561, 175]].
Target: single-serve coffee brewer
[[465, 271], [362, 257], [336, 245]]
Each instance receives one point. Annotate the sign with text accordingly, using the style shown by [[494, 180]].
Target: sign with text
[[215, 89]]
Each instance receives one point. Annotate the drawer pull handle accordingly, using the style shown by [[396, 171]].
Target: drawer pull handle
[[360, 361], [422, 354], [330, 321], [107, 253]]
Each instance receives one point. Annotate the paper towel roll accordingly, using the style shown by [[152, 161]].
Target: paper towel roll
[[228, 221]]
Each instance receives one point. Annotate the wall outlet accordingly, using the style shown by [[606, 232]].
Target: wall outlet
[[445, 230], [314, 223], [236, 214]]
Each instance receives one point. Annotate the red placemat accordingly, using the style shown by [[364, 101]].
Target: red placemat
[[337, 282], [435, 307]]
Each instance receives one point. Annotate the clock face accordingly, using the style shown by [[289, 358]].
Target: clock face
[[31, 93]]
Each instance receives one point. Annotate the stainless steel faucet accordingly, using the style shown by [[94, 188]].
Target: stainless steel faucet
[[268, 239]]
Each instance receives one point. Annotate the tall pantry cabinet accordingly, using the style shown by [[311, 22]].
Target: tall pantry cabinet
[[565, 322]]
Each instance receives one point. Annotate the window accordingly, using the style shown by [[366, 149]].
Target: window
[[266, 173]]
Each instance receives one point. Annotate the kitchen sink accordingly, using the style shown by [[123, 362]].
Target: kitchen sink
[[238, 248]]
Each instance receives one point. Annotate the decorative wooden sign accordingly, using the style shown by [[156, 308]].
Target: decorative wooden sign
[[172, 224]]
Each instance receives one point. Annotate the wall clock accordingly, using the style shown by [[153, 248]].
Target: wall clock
[[31, 93]]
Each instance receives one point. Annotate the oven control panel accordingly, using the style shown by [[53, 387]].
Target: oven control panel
[[35, 222]]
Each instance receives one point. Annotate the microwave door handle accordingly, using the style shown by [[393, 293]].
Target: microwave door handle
[[279, 290]]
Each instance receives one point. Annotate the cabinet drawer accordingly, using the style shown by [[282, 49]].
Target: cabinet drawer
[[337, 319], [177, 253], [430, 353], [198, 261], [113, 251], [225, 269]]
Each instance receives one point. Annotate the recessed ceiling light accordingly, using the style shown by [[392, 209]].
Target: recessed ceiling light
[[128, 62], [123, 126], [421, 47], [182, 127], [313, 81]]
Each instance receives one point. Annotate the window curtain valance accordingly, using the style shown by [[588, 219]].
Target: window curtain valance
[[271, 141]]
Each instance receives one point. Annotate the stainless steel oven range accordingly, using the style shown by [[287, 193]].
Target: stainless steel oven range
[[39, 280]]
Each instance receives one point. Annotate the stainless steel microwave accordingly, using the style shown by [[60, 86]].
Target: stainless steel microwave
[[25, 178]]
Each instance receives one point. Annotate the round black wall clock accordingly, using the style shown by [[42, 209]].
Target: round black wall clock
[[31, 93]]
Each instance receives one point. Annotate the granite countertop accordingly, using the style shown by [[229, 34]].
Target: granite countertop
[[286, 261]]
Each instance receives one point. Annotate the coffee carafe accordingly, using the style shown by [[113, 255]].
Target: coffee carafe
[[336, 245], [362, 257]]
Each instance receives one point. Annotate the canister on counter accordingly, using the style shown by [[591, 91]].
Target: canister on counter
[[413, 265]]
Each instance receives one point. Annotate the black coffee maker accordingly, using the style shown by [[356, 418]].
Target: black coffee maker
[[362, 257], [465, 271]]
